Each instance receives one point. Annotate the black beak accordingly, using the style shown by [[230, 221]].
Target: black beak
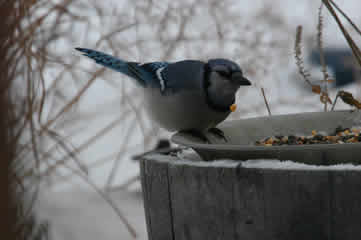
[[238, 78]]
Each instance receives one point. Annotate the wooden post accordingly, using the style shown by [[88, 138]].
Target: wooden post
[[187, 200]]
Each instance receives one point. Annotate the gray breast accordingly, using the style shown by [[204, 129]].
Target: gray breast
[[183, 106]]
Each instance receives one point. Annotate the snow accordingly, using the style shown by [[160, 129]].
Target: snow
[[190, 158], [79, 214], [290, 165]]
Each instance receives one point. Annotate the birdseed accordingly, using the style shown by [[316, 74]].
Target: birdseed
[[339, 136]]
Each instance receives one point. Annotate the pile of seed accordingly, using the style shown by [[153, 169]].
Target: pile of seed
[[340, 136]]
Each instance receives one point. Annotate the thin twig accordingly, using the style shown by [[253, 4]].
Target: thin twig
[[124, 185], [111, 203], [345, 16], [334, 102], [355, 49], [266, 102]]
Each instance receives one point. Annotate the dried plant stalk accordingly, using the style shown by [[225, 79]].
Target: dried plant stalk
[[324, 97], [347, 98], [355, 49], [36, 104], [298, 56], [300, 63], [18, 196]]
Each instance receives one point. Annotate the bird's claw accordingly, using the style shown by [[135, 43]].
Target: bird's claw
[[218, 132], [201, 135], [197, 134]]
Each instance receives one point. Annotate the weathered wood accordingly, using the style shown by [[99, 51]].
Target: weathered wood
[[249, 204], [346, 204], [185, 200], [200, 208], [157, 205], [297, 204]]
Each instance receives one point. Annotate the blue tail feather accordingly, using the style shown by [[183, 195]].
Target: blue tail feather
[[128, 68]]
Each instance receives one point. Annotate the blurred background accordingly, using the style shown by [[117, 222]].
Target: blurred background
[[88, 122]]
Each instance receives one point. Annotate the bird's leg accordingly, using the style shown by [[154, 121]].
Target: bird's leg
[[218, 132], [163, 147], [197, 134]]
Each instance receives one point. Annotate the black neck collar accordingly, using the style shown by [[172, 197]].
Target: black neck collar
[[206, 84]]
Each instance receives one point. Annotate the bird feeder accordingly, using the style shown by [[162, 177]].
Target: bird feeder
[[223, 196]]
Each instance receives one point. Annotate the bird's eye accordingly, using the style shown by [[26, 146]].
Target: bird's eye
[[224, 73]]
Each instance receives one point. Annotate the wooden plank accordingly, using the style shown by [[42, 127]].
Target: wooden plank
[[311, 205], [346, 204], [145, 196], [249, 209], [156, 199], [297, 204], [206, 201], [277, 202], [202, 204]]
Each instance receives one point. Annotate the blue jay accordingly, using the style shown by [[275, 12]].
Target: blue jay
[[189, 95]]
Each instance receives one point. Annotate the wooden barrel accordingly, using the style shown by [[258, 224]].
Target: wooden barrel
[[187, 200]]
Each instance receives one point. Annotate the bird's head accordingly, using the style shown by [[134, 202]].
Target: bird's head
[[226, 70], [223, 78]]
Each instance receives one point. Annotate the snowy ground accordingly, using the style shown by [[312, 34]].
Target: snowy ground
[[81, 214], [76, 212]]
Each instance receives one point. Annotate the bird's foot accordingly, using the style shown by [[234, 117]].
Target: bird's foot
[[163, 147], [218, 132], [197, 134]]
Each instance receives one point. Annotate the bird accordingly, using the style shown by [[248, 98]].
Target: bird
[[190, 96]]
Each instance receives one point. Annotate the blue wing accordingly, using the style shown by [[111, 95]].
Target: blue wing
[[156, 70], [147, 74], [154, 66]]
